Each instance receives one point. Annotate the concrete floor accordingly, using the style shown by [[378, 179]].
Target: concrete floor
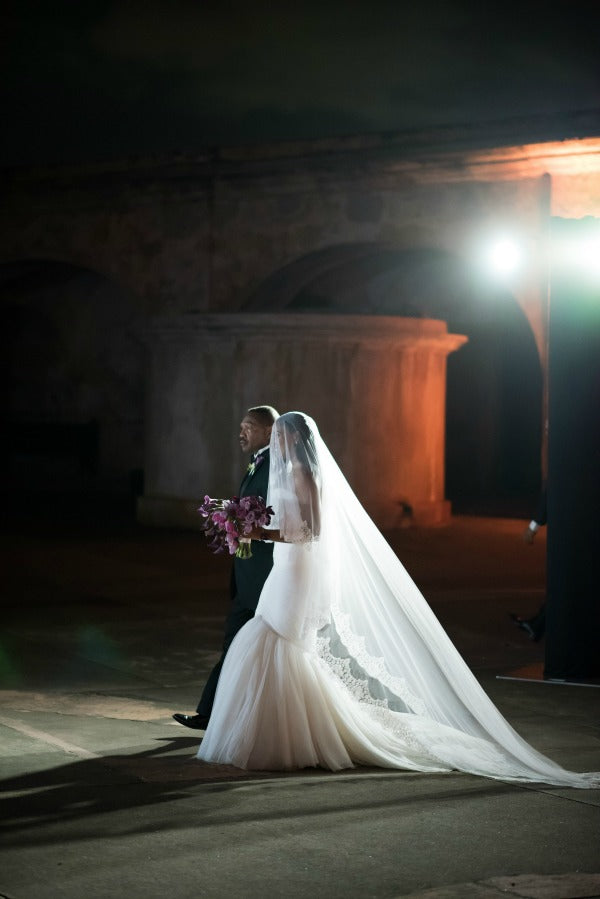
[[109, 628]]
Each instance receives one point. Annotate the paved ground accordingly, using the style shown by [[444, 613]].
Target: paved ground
[[107, 630]]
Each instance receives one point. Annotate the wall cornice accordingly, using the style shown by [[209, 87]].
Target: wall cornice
[[503, 149], [283, 327]]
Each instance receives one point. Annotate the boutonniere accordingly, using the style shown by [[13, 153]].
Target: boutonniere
[[252, 466]]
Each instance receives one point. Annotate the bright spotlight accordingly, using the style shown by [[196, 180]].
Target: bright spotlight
[[504, 257]]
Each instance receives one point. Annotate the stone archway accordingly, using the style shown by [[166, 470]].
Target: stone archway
[[72, 380], [494, 396]]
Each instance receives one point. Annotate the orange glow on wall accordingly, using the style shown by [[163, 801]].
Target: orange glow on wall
[[573, 165]]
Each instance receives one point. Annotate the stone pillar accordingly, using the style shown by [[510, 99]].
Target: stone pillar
[[375, 385]]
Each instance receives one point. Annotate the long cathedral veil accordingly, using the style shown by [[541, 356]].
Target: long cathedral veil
[[376, 631]]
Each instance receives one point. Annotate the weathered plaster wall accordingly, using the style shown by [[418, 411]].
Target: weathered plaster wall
[[206, 234], [374, 385]]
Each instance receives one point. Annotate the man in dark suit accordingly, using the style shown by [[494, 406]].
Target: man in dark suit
[[248, 575]]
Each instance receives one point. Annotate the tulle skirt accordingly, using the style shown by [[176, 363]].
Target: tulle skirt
[[278, 707]]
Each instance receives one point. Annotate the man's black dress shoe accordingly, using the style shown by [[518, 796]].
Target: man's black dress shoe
[[196, 722]]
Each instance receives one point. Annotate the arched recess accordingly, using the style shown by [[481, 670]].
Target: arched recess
[[71, 383], [494, 383]]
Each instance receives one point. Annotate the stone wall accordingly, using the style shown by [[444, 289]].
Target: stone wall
[[277, 228], [374, 385]]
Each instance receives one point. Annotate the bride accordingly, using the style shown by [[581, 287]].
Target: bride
[[344, 663]]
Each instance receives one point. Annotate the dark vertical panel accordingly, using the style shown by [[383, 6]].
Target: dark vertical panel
[[573, 610]]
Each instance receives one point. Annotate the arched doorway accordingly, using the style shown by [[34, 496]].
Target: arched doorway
[[71, 385], [494, 387]]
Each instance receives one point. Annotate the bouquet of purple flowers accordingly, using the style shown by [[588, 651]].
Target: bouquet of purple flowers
[[229, 521]]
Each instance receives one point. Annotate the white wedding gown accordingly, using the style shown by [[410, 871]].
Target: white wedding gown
[[345, 664], [279, 706]]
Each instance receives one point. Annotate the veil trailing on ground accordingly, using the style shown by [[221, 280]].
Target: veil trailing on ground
[[376, 632]]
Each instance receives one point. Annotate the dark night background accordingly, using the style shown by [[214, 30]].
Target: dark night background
[[93, 80], [109, 626]]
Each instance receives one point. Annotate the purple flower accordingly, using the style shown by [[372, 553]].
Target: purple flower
[[225, 521]]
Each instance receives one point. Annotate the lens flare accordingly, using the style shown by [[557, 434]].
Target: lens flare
[[504, 256]]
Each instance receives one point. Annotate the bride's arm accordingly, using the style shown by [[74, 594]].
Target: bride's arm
[[309, 504], [309, 500], [266, 534]]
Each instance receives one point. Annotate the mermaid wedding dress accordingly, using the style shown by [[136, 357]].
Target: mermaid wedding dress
[[344, 663]]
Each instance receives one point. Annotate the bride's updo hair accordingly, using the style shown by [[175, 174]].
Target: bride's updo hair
[[301, 435]]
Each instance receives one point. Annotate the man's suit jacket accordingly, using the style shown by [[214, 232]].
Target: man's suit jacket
[[249, 575]]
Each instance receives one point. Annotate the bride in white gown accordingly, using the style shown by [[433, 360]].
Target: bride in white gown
[[344, 663]]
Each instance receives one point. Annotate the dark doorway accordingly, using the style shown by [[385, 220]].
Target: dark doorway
[[71, 389]]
